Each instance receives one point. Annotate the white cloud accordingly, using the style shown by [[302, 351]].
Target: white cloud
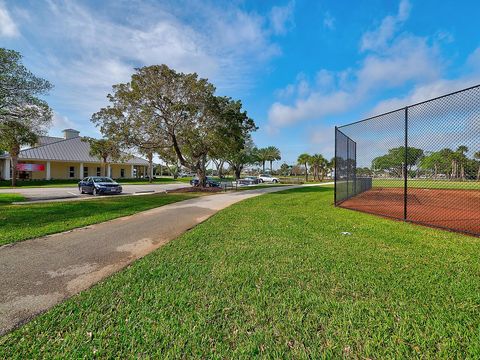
[[315, 105], [281, 18], [329, 21], [379, 38], [8, 28], [62, 122], [322, 140], [444, 36], [408, 58], [426, 91], [393, 61], [473, 60], [84, 51]]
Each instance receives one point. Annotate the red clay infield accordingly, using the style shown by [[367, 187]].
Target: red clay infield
[[457, 210]]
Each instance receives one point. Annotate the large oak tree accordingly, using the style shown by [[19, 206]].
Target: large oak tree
[[175, 113]]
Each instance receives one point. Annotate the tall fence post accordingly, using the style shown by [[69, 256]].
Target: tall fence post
[[355, 191], [335, 170], [405, 169], [348, 165]]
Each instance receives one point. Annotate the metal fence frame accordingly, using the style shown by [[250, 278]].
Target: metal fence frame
[[357, 191]]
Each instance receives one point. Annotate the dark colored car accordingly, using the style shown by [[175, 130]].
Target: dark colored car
[[210, 182], [249, 180], [97, 185]]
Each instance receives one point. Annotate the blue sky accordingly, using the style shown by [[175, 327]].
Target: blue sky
[[300, 67]]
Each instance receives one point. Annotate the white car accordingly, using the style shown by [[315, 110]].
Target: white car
[[268, 178]]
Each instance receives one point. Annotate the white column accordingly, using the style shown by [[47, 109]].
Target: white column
[[80, 174], [109, 171], [7, 169], [144, 171], [48, 172], [132, 171]]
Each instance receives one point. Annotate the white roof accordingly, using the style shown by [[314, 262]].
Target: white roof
[[74, 150]]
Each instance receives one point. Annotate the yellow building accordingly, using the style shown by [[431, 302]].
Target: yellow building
[[68, 158]]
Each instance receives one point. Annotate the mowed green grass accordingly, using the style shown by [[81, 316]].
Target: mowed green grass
[[6, 199], [260, 186], [429, 184], [275, 276], [22, 222]]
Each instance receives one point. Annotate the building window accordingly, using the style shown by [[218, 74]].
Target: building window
[[122, 173], [72, 171], [85, 171], [99, 171]]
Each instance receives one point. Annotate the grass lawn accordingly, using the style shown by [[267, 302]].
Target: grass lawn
[[6, 199], [275, 276], [21, 222], [261, 186], [429, 184]]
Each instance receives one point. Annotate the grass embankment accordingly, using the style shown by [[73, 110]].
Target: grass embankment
[[429, 184], [274, 276], [22, 222]]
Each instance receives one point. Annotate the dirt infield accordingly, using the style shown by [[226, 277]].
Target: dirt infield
[[457, 210]]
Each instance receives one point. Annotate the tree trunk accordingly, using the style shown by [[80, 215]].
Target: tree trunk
[[478, 173], [14, 157], [201, 172], [238, 171], [219, 166], [271, 169], [263, 166], [306, 173], [150, 167]]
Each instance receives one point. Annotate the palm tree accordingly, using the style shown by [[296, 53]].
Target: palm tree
[[263, 155], [324, 168], [273, 155], [304, 159], [319, 164]]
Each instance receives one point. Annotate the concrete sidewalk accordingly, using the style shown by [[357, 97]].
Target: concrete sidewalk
[[39, 273]]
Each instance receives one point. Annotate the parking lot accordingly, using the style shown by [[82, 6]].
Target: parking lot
[[72, 193]]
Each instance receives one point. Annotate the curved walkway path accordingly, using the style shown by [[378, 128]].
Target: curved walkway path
[[39, 273]]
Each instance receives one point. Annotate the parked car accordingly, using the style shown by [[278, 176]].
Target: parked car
[[184, 175], [249, 180], [97, 185], [210, 182], [268, 178]]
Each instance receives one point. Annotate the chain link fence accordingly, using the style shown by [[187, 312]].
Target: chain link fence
[[420, 163]]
